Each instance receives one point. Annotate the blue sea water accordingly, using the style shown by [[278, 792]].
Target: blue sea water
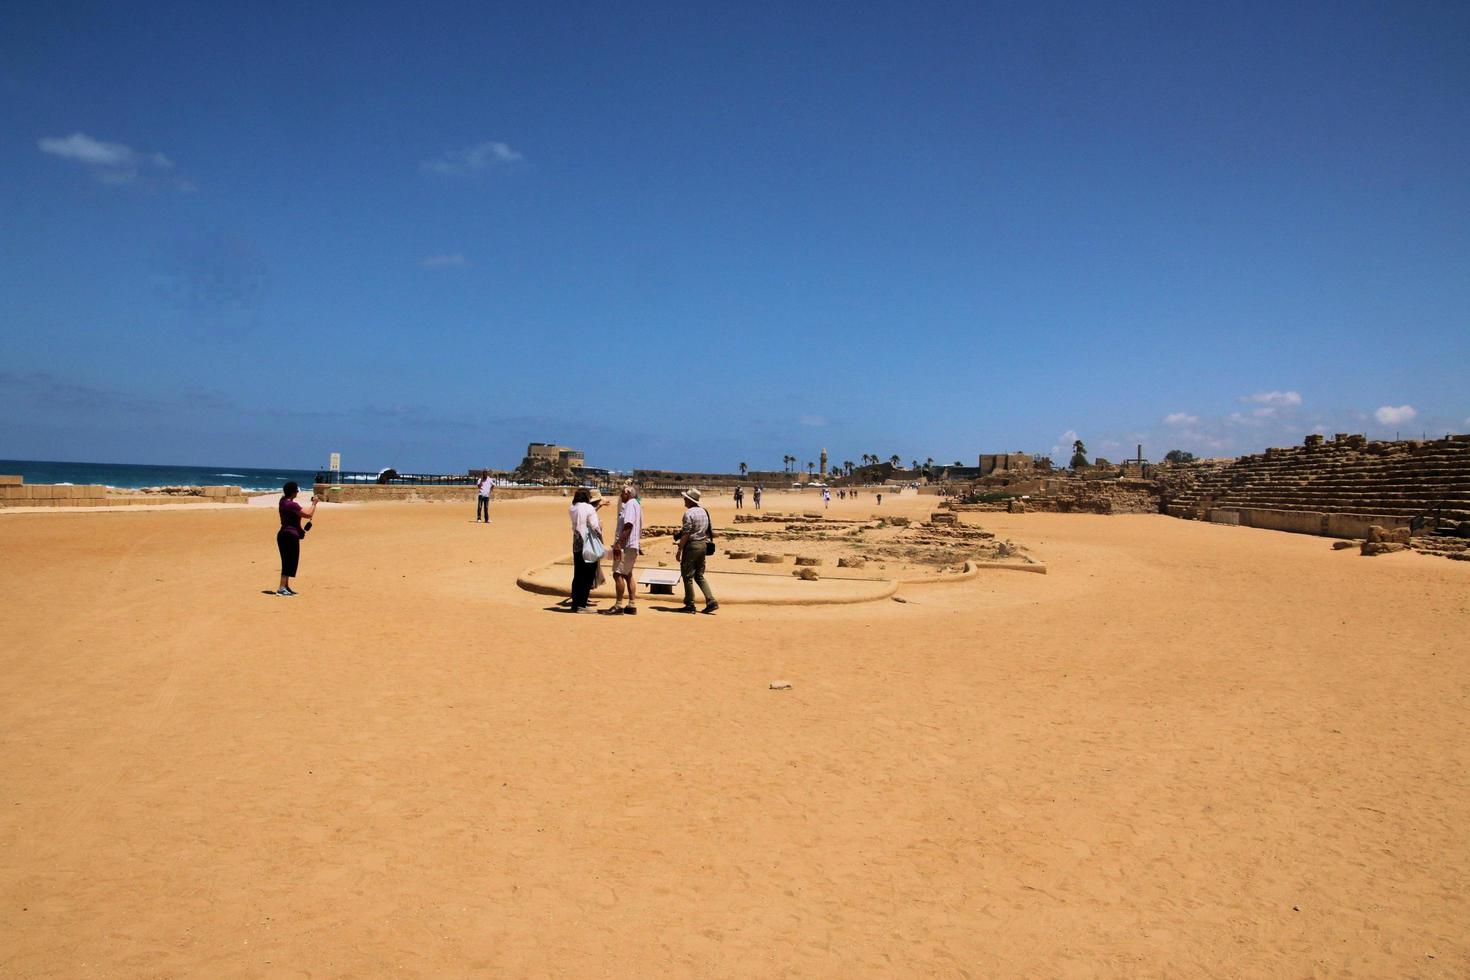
[[132, 476]]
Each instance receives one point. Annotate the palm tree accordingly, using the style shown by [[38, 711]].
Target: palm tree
[[929, 463], [847, 467], [786, 462], [913, 464], [744, 469], [894, 460], [809, 467], [1079, 454]]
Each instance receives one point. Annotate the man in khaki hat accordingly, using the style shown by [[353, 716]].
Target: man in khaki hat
[[692, 543]]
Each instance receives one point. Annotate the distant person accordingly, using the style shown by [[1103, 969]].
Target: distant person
[[739, 496], [627, 541], [487, 488], [291, 534], [826, 497], [880, 500], [757, 496], [693, 544], [585, 524]]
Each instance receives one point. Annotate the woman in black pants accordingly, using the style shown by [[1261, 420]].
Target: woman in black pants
[[288, 538], [584, 522]]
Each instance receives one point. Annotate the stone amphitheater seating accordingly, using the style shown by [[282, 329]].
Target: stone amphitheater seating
[[1327, 487]]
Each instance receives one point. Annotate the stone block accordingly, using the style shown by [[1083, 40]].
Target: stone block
[[9, 480], [1382, 547], [807, 560], [1340, 545], [768, 559]]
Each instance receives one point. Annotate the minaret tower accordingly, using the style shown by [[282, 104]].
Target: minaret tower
[[824, 464]]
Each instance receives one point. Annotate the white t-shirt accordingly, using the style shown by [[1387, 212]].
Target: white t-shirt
[[583, 517], [486, 485], [631, 514]]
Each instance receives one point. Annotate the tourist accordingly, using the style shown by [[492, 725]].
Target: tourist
[[289, 537], [739, 496], [694, 542], [585, 524], [757, 496], [626, 542], [486, 487], [880, 500], [826, 497]]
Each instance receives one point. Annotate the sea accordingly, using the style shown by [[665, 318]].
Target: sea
[[132, 476]]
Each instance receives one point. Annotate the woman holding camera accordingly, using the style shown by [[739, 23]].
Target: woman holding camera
[[288, 538]]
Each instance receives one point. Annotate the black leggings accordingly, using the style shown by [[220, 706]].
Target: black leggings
[[584, 573], [482, 509], [290, 548]]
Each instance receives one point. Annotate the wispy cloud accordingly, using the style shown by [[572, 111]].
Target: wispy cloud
[[1395, 415], [814, 421], [455, 261], [114, 164], [472, 160], [1180, 418], [1279, 399]]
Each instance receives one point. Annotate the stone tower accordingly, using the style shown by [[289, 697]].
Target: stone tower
[[824, 464]]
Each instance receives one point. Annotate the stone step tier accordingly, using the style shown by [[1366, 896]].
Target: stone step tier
[[1348, 477]]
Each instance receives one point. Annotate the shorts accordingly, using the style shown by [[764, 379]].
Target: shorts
[[624, 564]]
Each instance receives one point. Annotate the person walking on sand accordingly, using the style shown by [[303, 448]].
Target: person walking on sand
[[826, 498], [739, 496], [626, 543], [585, 524], [486, 487], [291, 534], [693, 544], [757, 496]]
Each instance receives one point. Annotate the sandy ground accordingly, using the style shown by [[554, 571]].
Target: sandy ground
[[1189, 750]]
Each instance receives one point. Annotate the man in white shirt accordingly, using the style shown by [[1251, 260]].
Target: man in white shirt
[[486, 487], [626, 544]]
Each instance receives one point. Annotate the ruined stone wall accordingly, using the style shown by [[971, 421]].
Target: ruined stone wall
[[1337, 488], [20, 494]]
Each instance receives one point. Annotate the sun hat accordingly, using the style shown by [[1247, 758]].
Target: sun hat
[[594, 497], [691, 495]]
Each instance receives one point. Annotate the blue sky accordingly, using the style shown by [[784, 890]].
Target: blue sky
[[691, 235]]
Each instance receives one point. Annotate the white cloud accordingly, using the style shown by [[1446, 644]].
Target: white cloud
[[1264, 413], [455, 261], [1180, 418], [472, 159], [1277, 398], [814, 421], [1391, 415], [114, 164], [84, 149]]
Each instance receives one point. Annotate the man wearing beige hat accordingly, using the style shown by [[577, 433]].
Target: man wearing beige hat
[[626, 541], [694, 543]]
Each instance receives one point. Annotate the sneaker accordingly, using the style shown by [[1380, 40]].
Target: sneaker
[[710, 608], [630, 610], [686, 609], [291, 591], [614, 611], [583, 609], [284, 592]]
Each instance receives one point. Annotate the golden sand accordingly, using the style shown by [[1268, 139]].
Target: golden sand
[[1188, 750]]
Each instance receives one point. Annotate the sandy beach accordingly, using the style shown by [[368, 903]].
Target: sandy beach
[[1188, 750]]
